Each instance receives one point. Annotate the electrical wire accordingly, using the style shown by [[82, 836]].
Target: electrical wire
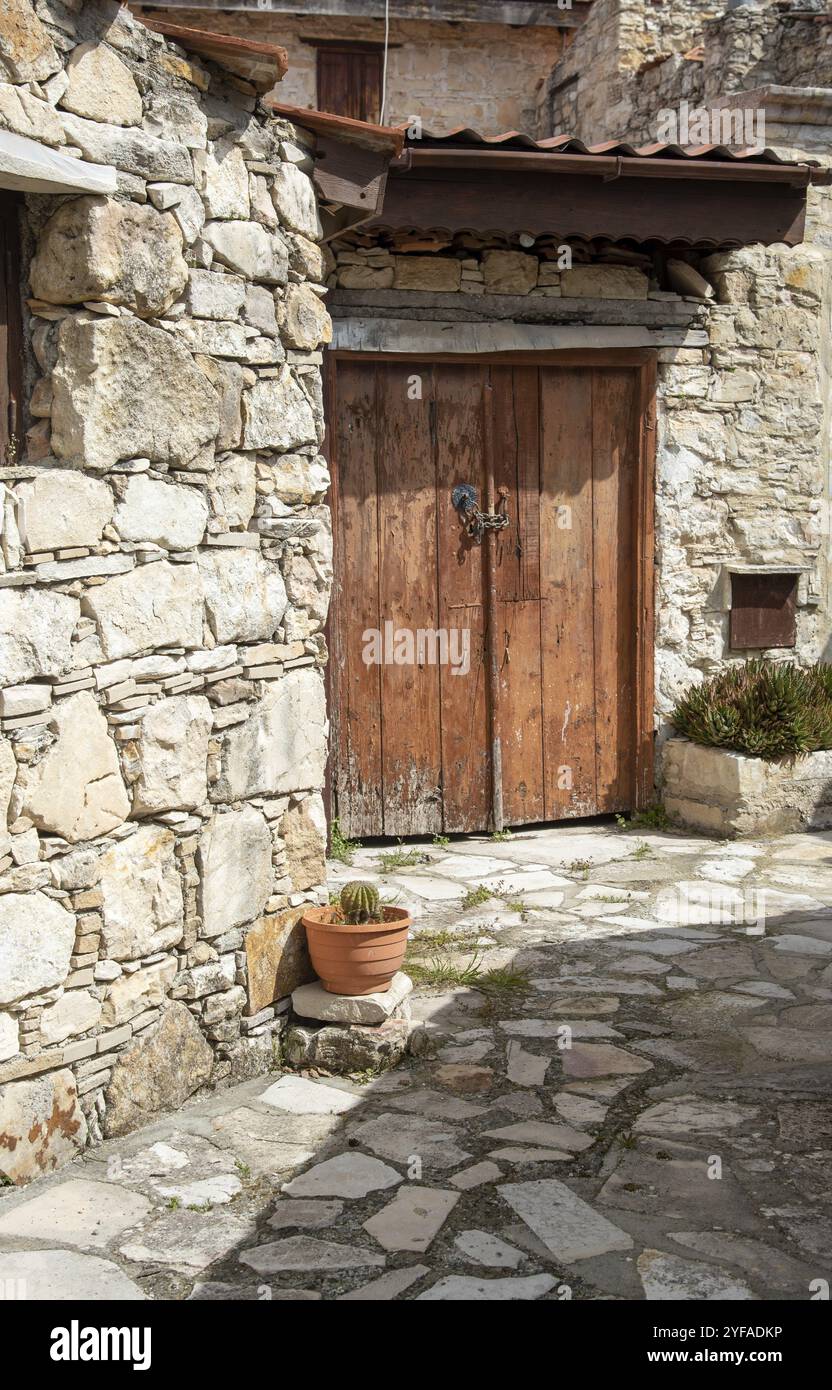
[[384, 65]]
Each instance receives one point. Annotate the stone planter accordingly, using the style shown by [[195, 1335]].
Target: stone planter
[[728, 794]]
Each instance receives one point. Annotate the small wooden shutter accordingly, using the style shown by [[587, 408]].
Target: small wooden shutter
[[763, 610], [11, 333], [349, 82]]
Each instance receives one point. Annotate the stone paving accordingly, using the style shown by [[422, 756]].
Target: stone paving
[[648, 1118]]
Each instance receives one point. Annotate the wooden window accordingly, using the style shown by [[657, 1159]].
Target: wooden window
[[763, 610], [11, 333], [349, 82]]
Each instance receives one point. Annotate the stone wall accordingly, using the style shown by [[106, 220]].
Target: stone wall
[[165, 570], [634, 58], [448, 75], [595, 89]]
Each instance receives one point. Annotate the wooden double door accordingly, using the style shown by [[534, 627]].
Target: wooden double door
[[567, 587]]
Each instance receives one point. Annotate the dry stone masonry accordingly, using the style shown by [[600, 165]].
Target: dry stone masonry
[[164, 579]]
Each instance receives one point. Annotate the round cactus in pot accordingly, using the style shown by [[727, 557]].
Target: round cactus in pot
[[357, 945], [360, 902]]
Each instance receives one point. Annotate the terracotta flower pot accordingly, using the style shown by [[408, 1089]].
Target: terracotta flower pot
[[360, 959]]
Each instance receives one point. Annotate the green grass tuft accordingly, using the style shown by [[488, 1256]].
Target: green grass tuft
[[339, 847], [401, 858]]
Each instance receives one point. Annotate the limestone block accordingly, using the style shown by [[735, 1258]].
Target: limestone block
[[101, 87], [223, 180], [94, 248], [235, 865], [299, 478], [142, 895], [227, 380], [173, 753], [233, 489], [8, 772], [37, 935], [175, 114], [313, 1001], [245, 597], [167, 1064], [509, 272], [189, 212], [17, 700], [260, 310], [604, 282], [308, 259], [216, 339], [28, 115], [79, 869], [306, 587], [35, 631], [62, 507], [125, 390], [173, 515], [130, 995], [365, 277], [277, 414], [9, 1037], [304, 830], [212, 295], [25, 45], [343, 1048], [75, 788], [41, 1125], [75, 1012], [157, 605], [294, 201], [250, 250], [281, 747], [133, 151], [262, 209], [277, 958], [304, 322], [437, 273], [685, 279]]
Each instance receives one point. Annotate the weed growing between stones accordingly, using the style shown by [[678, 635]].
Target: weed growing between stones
[[340, 847], [401, 858]]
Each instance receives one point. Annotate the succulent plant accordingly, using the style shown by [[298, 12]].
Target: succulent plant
[[762, 708], [359, 903]]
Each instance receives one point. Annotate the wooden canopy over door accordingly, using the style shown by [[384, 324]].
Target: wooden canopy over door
[[571, 441]]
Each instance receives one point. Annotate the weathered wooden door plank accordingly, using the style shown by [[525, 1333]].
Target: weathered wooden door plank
[[460, 568], [358, 754], [613, 457], [566, 569], [412, 758], [517, 467]]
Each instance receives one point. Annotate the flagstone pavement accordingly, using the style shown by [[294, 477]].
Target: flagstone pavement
[[649, 1118]]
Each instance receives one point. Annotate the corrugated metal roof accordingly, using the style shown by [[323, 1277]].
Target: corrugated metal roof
[[464, 137]]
